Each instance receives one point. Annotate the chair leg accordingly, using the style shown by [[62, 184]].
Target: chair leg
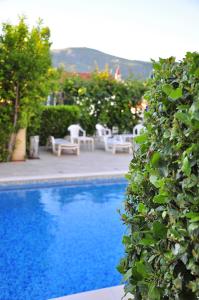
[[113, 150], [59, 151], [78, 152]]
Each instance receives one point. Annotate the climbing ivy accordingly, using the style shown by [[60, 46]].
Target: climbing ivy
[[162, 203]]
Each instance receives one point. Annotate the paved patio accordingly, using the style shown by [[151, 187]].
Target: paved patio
[[68, 166]]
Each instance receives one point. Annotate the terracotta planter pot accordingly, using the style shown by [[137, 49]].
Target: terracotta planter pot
[[19, 153]]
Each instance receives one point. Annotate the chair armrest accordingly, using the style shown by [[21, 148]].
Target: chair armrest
[[83, 131], [108, 131]]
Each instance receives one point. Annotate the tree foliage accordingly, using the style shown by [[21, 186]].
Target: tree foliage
[[162, 204], [105, 100], [24, 62]]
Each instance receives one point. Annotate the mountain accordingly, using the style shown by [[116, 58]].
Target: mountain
[[86, 60]]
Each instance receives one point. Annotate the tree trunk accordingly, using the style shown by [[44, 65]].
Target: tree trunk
[[12, 140], [19, 152]]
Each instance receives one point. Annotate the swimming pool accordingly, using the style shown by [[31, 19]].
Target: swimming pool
[[59, 240]]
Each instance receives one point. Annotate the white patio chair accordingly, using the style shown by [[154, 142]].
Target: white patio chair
[[58, 145], [102, 131], [128, 137], [116, 143], [137, 129], [77, 134]]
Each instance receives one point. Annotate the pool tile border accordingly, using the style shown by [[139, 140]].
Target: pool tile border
[[57, 177], [71, 180]]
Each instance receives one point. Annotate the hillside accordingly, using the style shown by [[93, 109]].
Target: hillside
[[86, 60]]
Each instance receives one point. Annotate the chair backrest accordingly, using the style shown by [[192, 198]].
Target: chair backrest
[[137, 129], [75, 130], [102, 131]]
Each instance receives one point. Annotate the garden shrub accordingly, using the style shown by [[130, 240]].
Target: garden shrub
[[104, 100], [6, 128], [162, 203], [56, 119]]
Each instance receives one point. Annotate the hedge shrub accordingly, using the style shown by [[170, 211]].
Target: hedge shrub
[[104, 100], [56, 119], [162, 204], [6, 120]]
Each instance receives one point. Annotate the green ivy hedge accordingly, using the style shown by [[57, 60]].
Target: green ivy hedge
[[162, 204], [56, 119]]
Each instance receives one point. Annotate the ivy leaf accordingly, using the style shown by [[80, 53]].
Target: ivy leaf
[[176, 93], [184, 118], [156, 66], [154, 180], [122, 266], [141, 138], [127, 275], [155, 159], [161, 199], [163, 170], [148, 241], [154, 293], [142, 208], [167, 89], [126, 240], [172, 93], [186, 167], [197, 72], [194, 216], [142, 269], [190, 182], [159, 230]]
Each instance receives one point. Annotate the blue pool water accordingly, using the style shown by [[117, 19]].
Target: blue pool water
[[59, 240]]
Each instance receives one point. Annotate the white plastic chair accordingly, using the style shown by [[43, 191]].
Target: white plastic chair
[[75, 131], [102, 131], [137, 129], [77, 134], [58, 145], [116, 143]]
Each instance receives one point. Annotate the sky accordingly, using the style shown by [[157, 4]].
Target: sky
[[132, 29]]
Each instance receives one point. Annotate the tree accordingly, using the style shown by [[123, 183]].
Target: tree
[[24, 62], [105, 100]]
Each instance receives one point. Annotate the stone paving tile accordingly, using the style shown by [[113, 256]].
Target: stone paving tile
[[50, 165], [113, 293]]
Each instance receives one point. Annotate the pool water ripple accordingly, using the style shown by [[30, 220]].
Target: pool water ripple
[[59, 240]]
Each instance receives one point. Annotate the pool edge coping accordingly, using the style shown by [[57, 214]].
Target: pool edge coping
[[15, 180], [109, 293]]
